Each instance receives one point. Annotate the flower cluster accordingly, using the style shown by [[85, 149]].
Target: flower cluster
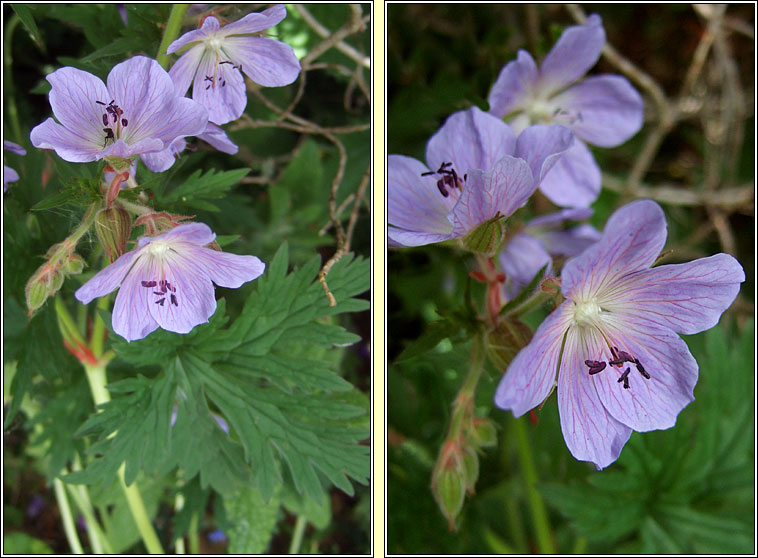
[[611, 345], [141, 112]]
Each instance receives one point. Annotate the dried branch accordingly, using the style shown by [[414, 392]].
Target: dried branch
[[335, 39]]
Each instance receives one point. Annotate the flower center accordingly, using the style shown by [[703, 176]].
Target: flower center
[[449, 182], [587, 313], [618, 359], [218, 73], [113, 121], [545, 112], [164, 288]]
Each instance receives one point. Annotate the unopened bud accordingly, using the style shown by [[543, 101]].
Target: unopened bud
[[506, 340], [470, 467], [449, 488], [486, 238], [113, 227], [74, 264], [484, 433], [45, 282]]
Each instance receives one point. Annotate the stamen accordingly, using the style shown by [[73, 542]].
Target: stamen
[[173, 300], [624, 378], [124, 122], [148, 283], [161, 301], [641, 370], [108, 136], [595, 366], [105, 119], [100, 103]]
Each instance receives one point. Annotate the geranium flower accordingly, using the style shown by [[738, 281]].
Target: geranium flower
[[168, 281], [539, 242], [218, 56], [139, 111], [477, 171], [163, 160], [613, 343], [10, 175], [603, 110]]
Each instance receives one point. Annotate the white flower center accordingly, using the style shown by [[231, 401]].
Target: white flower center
[[157, 249], [587, 313], [541, 111]]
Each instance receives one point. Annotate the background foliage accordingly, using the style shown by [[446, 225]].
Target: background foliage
[[689, 489], [284, 371]]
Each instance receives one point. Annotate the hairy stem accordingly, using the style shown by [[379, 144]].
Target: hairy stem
[[173, 26], [297, 536], [536, 504], [10, 99], [68, 520]]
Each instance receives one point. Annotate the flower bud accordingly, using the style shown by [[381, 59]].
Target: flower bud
[[484, 433], [486, 238], [449, 487], [470, 467], [506, 340], [113, 227], [45, 282], [73, 265]]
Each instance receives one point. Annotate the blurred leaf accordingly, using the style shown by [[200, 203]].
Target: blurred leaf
[[20, 543], [27, 19], [253, 520], [197, 190]]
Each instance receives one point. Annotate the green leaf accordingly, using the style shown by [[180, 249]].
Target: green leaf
[[21, 543], [27, 20], [317, 512], [253, 520], [197, 189], [437, 331], [704, 533]]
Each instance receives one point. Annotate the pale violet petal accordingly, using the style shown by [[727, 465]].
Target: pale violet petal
[[575, 179], [542, 147], [69, 146], [187, 299], [267, 62], [226, 269], [13, 147], [216, 136], [606, 110], [571, 242], [163, 160], [209, 28], [223, 95], [501, 191], [520, 260], [73, 98], [131, 315], [183, 71], [571, 214], [576, 51], [688, 297], [590, 431], [531, 375], [514, 88], [648, 404], [108, 279], [197, 234], [470, 139], [400, 237], [255, 22], [414, 202], [632, 240]]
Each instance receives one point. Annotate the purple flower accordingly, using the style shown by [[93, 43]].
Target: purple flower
[[613, 343], [603, 110], [168, 281], [218, 56], [477, 170], [540, 241], [9, 174], [139, 111], [163, 160]]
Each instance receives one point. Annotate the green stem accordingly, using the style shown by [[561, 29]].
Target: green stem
[[178, 505], [536, 504], [297, 536], [96, 532], [9, 90], [68, 520], [173, 26], [98, 330], [97, 382], [192, 535], [461, 406], [139, 513], [135, 208]]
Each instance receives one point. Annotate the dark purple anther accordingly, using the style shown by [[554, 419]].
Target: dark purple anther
[[105, 119], [441, 188], [624, 378], [100, 103], [173, 300], [595, 366], [641, 370], [170, 287], [149, 283], [124, 122], [161, 301]]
